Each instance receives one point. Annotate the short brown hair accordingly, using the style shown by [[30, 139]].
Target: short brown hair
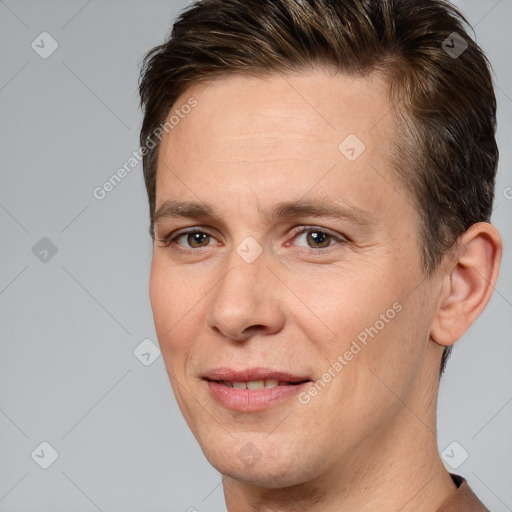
[[444, 102]]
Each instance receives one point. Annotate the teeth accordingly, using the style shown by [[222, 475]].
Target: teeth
[[254, 384]]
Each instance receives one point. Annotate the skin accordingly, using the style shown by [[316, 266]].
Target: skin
[[367, 441]]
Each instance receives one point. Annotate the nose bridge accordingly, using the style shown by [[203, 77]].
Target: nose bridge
[[242, 282]]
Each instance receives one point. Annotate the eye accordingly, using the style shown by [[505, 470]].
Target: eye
[[316, 238], [193, 239]]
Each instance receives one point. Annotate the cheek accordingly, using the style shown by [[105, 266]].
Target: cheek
[[160, 298], [172, 302], [338, 306]]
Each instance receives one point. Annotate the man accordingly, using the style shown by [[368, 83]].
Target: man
[[320, 177]]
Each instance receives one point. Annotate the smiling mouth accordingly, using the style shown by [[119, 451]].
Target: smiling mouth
[[266, 389], [257, 384]]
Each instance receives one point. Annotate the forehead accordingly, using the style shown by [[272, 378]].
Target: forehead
[[279, 135], [315, 103]]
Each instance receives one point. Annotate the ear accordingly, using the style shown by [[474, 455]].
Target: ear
[[468, 282]]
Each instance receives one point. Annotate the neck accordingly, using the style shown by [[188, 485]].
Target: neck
[[399, 469]]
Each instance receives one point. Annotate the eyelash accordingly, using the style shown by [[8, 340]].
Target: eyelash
[[170, 240]]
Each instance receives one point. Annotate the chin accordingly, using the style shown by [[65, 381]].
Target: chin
[[258, 461]]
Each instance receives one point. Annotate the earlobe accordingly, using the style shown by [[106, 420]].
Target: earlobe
[[468, 286]]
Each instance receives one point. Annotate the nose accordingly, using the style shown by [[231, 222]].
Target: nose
[[247, 301]]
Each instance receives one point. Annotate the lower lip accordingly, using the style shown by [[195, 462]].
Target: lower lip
[[250, 400]]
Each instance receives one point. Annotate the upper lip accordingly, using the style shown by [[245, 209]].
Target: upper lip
[[248, 374]]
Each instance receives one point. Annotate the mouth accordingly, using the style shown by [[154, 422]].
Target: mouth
[[252, 390], [257, 384]]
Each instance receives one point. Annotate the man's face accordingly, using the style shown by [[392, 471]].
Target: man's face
[[256, 285]]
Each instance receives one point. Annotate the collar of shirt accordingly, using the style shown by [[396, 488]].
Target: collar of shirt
[[463, 499]]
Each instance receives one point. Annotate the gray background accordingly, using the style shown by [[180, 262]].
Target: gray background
[[69, 325]]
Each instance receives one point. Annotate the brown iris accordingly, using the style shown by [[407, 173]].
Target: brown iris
[[197, 239], [318, 238]]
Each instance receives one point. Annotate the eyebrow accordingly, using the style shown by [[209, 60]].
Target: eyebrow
[[341, 210], [183, 209]]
